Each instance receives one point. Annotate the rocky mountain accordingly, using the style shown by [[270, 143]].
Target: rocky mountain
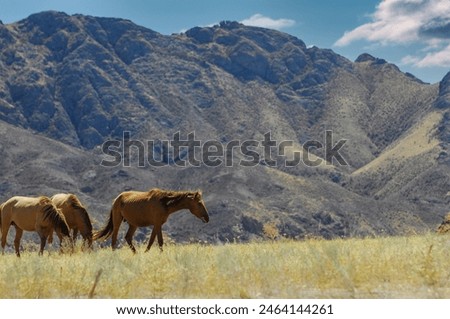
[[70, 83]]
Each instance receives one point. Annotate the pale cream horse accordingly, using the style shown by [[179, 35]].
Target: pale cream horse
[[31, 214]]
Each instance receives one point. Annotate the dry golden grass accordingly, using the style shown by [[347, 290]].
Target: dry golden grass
[[394, 267]]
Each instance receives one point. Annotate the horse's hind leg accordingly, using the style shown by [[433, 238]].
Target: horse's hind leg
[[117, 220], [17, 239], [6, 222], [4, 235], [129, 237]]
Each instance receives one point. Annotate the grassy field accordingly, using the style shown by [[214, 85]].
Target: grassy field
[[391, 267]]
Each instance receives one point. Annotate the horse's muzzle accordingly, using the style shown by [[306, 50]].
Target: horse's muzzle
[[205, 219]]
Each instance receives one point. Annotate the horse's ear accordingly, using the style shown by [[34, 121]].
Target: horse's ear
[[198, 195], [190, 196]]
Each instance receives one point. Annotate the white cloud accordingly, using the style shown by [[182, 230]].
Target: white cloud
[[425, 22], [258, 20], [409, 59], [437, 58]]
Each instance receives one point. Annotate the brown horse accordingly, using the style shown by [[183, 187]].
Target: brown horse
[[31, 214], [142, 209], [76, 216]]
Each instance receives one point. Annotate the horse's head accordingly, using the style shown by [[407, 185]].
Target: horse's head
[[57, 222], [197, 206], [60, 223]]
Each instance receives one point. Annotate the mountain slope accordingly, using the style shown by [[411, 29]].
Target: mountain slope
[[70, 83]]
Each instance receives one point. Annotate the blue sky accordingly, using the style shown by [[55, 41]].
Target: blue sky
[[414, 34]]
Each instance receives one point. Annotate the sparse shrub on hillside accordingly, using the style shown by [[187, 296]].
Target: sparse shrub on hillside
[[270, 231], [444, 227]]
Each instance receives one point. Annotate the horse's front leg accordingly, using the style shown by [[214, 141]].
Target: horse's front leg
[[160, 239], [117, 220], [63, 242], [152, 237], [50, 238]]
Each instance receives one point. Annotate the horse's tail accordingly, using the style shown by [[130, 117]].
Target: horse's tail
[[106, 231]]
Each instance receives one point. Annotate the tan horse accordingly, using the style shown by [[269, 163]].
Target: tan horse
[[31, 214], [76, 216], [142, 209]]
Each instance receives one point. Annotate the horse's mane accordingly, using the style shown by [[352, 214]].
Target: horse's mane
[[44, 200], [74, 201], [168, 197], [56, 219], [76, 204]]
